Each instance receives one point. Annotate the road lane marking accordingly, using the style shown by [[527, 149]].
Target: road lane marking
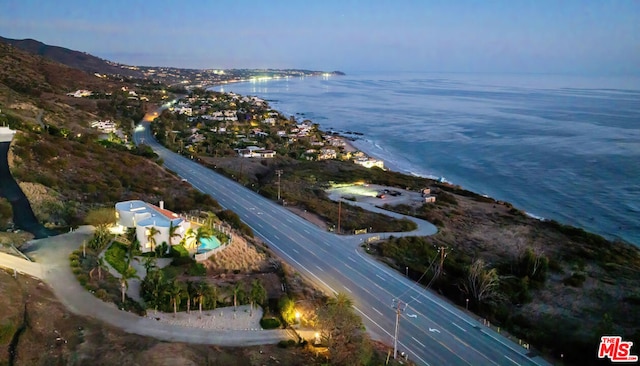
[[347, 289], [351, 259], [459, 327], [418, 342], [380, 277], [295, 250], [320, 268], [376, 310], [507, 357], [277, 237], [261, 227], [416, 300]]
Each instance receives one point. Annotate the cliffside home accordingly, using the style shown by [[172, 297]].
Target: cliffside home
[[143, 216]]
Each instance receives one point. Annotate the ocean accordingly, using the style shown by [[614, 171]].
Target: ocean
[[565, 148]]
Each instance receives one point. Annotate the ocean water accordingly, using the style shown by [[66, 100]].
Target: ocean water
[[558, 147]]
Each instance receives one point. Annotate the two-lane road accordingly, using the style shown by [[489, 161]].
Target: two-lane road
[[432, 331]]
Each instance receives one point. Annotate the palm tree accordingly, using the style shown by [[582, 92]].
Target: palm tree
[[128, 274], [237, 290], [190, 291], [151, 233], [257, 294], [211, 220], [175, 290], [189, 238], [341, 301], [173, 232], [194, 236], [100, 265], [200, 290], [149, 263]]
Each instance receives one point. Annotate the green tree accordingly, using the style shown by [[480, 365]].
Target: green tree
[[481, 284], [287, 309], [175, 290], [173, 232], [151, 237], [257, 294], [128, 274], [201, 290], [238, 292], [149, 263], [343, 333]]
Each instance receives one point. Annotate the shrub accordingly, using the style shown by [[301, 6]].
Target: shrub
[[575, 280], [102, 295], [197, 269], [75, 263], [74, 256], [76, 270], [269, 323], [286, 344], [83, 279]]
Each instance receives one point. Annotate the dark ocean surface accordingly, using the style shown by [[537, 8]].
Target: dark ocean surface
[[558, 147]]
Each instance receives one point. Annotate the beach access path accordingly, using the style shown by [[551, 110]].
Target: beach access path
[[51, 264]]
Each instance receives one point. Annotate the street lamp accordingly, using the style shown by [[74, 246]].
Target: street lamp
[[298, 317], [467, 304]]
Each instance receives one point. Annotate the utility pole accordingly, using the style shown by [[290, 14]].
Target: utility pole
[[399, 307], [339, 209], [279, 173], [443, 255]]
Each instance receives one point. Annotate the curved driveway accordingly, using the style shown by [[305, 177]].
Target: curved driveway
[[432, 331], [51, 264]]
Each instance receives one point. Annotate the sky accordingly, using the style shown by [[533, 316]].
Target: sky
[[510, 36]]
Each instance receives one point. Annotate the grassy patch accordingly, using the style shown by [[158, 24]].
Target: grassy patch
[[116, 256]]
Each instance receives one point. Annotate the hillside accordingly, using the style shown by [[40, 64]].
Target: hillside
[[56, 155], [74, 59]]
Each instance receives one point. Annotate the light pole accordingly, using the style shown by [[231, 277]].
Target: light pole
[[279, 173], [467, 304]]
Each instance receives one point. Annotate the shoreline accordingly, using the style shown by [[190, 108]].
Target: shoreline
[[369, 148]]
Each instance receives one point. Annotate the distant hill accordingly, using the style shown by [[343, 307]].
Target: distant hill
[[75, 59], [34, 75]]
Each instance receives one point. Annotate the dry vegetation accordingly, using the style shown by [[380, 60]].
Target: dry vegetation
[[53, 336], [239, 256]]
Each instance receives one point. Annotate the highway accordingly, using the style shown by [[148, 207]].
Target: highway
[[431, 331]]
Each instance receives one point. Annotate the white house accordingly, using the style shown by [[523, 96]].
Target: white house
[[143, 216]]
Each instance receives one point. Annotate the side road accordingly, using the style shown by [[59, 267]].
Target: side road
[[52, 265]]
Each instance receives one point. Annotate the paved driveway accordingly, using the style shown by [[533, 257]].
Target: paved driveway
[[52, 265]]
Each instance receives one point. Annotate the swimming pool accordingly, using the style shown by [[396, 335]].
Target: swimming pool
[[208, 244]]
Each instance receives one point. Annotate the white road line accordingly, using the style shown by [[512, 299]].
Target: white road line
[[416, 300], [459, 327], [346, 288], [418, 342], [380, 277], [376, 310], [277, 237], [261, 227], [351, 259], [320, 268], [507, 357], [295, 250]]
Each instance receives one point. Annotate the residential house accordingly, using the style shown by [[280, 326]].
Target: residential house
[[143, 216]]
